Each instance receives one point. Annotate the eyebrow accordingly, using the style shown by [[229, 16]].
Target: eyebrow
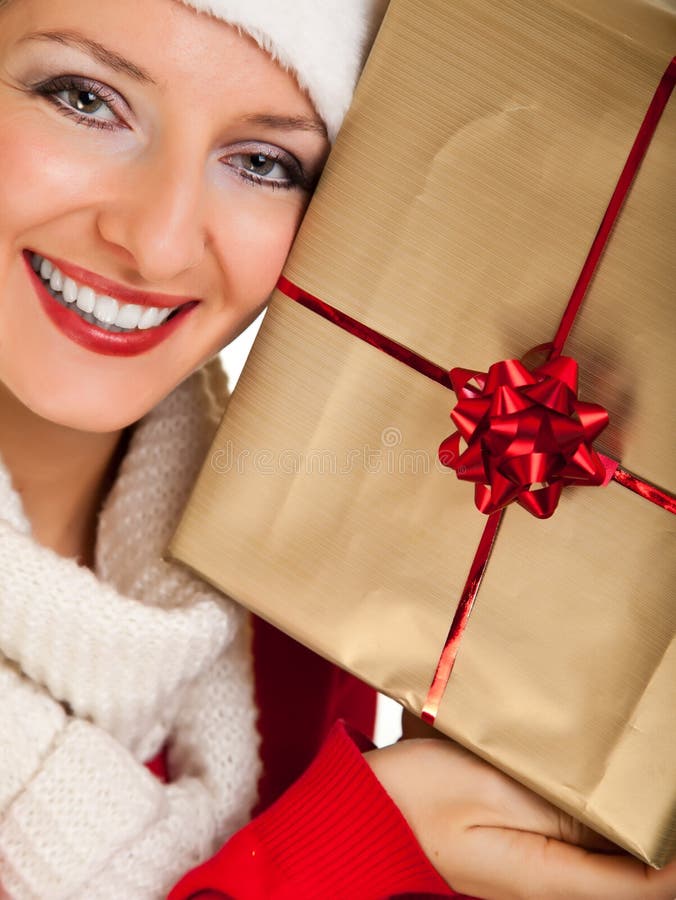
[[287, 123], [118, 63], [98, 51]]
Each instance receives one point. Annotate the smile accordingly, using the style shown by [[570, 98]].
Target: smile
[[98, 309], [101, 315]]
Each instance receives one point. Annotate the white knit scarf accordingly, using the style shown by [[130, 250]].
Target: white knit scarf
[[98, 670]]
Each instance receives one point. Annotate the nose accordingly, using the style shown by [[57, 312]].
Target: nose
[[156, 215]]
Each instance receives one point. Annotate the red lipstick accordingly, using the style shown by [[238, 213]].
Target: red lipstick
[[101, 285], [108, 343]]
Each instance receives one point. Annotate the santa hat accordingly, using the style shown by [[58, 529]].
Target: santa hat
[[323, 42]]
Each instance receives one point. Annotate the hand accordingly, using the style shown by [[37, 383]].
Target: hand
[[490, 837]]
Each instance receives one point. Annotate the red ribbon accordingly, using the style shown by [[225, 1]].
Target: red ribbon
[[527, 433], [626, 179]]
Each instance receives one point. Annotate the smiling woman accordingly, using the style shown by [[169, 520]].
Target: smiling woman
[[156, 159], [131, 190], [152, 181]]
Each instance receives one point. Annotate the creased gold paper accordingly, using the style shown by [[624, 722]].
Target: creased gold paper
[[455, 214]]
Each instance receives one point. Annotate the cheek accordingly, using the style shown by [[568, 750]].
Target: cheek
[[42, 178], [253, 243]]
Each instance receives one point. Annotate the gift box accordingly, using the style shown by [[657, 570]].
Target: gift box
[[453, 221]]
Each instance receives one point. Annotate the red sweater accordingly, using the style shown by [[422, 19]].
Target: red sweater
[[331, 833]]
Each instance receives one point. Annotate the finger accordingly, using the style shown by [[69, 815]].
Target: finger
[[501, 864]]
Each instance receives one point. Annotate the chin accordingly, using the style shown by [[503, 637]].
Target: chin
[[81, 411]]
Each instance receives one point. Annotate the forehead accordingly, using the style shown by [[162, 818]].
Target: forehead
[[177, 48]]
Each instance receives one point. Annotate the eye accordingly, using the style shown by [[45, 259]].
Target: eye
[[88, 102], [261, 166], [266, 166]]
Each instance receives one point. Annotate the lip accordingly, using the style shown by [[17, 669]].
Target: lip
[[119, 292], [107, 343]]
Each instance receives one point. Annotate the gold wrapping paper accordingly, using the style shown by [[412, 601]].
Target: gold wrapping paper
[[454, 216]]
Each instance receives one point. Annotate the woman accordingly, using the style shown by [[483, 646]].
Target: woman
[[156, 161]]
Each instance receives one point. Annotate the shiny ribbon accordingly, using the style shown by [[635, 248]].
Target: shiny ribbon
[[496, 511], [527, 434]]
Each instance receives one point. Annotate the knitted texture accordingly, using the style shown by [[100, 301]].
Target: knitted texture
[[334, 835], [100, 670]]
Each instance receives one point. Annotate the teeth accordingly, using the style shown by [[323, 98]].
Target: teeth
[[106, 309], [69, 290], [149, 317], [56, 280], [129, 315], [86, 299], [98, 309]]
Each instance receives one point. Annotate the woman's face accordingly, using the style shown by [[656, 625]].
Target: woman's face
[[155, 158]]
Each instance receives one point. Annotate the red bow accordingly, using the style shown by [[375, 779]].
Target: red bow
[[527, 434]]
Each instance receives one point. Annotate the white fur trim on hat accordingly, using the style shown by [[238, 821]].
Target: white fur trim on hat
[[323, 42]]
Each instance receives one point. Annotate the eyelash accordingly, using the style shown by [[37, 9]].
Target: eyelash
[[49, 90], [296, 176]]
